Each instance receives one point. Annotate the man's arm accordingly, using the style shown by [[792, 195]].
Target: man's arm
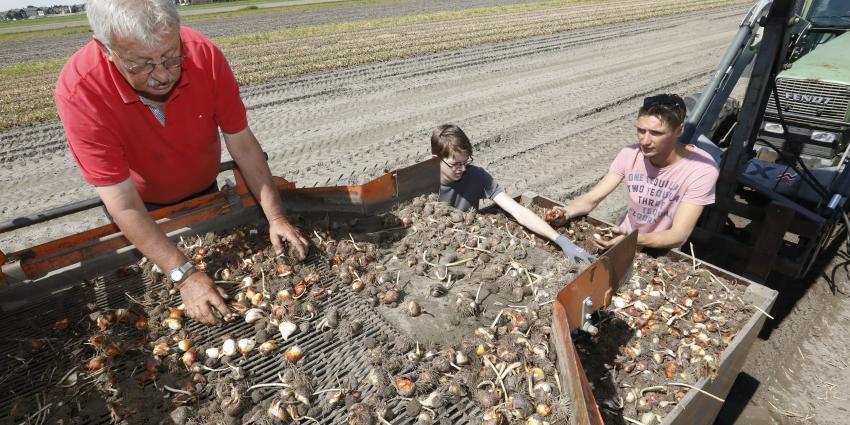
[[246, 151], [198, 291], [684, 222], [584, 204]]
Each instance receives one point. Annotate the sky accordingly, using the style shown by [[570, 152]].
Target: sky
[[19, 4]]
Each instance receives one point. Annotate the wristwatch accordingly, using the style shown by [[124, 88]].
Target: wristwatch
[[179, 274]]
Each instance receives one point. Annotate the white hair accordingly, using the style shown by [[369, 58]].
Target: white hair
[[145, 21]]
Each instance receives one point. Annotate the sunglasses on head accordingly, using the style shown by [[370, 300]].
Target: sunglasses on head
[[664, 100]]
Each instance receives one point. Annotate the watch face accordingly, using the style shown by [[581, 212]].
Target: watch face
[[176, 275]]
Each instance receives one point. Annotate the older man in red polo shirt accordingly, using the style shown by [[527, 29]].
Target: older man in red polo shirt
[[142, 105]]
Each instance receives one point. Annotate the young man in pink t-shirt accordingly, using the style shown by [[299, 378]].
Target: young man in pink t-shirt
[[668, 183]]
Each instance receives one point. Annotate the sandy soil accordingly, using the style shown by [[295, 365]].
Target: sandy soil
[[798, 370], [15, 52], [546, 114]]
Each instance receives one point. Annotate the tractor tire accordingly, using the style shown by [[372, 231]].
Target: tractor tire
[[719, 133]]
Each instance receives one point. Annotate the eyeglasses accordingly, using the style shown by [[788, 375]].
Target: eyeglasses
[[148, 67], [669, 101], [460, 164]]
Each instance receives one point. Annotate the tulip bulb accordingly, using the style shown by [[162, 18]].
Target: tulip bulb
[[254, 314], [284, 295], [619, 302], [228, 348], [212, 353], [543, 409], [184, 344], [537, 375], [173, 323], [246, 345], [189, 358], [277, 411], [424, 418], [247, 282], [95, 363], [287, 329], [405, 386], [648, 418], [283, 270], [414, 309], [268, 347], [141, 324], [544, 387], [161, 349], [293, 354], [631, 396]]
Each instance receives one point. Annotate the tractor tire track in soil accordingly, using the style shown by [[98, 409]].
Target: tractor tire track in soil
[[547, 114]]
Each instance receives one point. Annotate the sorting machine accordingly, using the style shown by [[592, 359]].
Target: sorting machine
[[44, 282]]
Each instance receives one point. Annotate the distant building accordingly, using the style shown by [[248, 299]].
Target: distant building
[[33, 12], [16, 14]]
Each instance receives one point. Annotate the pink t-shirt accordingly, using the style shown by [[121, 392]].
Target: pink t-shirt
[[655, 193]]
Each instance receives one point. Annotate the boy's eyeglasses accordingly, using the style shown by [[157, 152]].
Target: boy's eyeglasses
[[458, 164]]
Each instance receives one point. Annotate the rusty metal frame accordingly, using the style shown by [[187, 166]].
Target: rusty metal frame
[[36, 262]]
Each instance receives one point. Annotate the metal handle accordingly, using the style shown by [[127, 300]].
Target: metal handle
[[87, 204]]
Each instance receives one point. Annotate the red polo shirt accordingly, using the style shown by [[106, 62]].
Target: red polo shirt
[[113, 135]]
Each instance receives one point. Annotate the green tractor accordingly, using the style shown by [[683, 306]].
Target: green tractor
[[784, 185], [812, 94]]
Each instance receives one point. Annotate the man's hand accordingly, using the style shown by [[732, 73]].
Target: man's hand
[[572, 251], [280, 229], [604, 244], [200, 295]]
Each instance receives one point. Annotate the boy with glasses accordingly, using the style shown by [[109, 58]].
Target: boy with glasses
[[463, 186], [668, 183], [142, 105]]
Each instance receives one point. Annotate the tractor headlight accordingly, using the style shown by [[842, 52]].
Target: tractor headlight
[[823, 136], [772, 127]]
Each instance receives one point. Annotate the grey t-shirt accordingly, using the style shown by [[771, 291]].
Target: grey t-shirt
[[475, 185]]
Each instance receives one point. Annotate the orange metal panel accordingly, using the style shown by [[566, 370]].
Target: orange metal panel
[[360, 198], [281, 182], [89, 236], [40, 260], [593, 282], [377, 191], [574, 382]]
